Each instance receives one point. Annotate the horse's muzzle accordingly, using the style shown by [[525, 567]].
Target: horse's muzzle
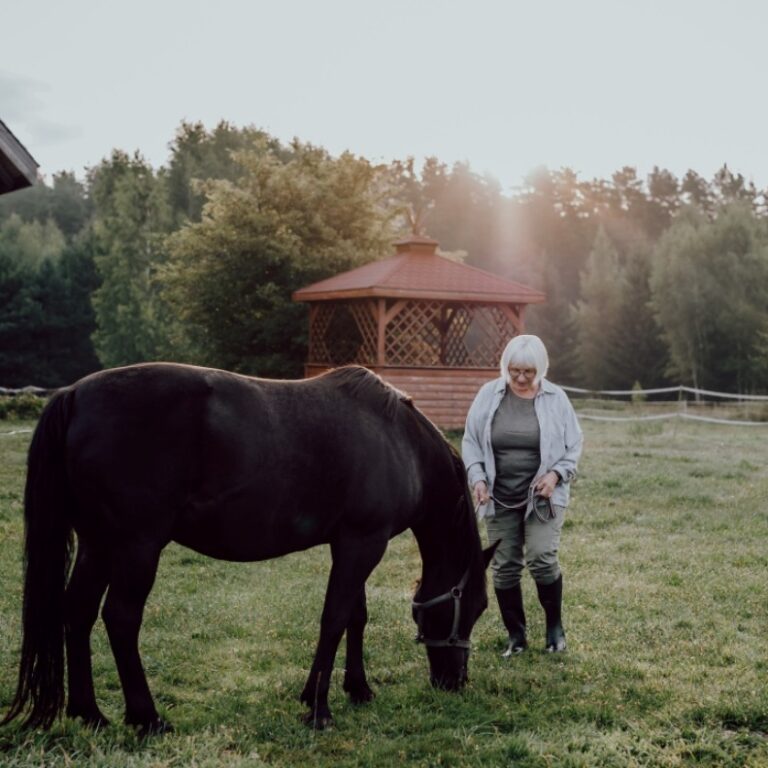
[[451, 683]]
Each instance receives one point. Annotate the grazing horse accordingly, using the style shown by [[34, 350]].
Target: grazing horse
[[241, 469]]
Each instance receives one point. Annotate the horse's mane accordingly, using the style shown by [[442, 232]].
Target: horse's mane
[[368, 386], [365, 385]]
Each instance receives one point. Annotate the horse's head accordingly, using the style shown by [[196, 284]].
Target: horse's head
[[445, 624]]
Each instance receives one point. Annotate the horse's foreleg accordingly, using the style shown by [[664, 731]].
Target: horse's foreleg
[[132, 575], [81, 605], [353, 561], [355, 682]]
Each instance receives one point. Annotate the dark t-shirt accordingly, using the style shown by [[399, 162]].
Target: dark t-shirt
[[515, 438]]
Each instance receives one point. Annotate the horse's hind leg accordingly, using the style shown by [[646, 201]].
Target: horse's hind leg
[[81, 605], [132, 575], [355, 682]]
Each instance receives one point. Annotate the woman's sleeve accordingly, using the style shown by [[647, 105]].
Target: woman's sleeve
[[573, 440], [471, 444]]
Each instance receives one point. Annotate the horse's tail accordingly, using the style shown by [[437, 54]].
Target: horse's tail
[[48, 545]]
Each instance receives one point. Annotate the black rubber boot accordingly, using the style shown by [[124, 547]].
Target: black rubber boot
[[551, 599], [513, 615]]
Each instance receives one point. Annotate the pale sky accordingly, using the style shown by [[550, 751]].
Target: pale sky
[[504, 85]]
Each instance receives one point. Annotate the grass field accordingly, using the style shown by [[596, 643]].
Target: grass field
[[665, 559]]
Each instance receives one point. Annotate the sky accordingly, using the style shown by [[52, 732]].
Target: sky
[[506, 86]]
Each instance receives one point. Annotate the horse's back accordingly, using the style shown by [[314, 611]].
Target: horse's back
[[233, 466]]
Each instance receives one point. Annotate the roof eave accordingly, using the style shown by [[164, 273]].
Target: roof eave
[[18, 169], [405, 293]]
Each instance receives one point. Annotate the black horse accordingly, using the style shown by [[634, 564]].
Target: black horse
[[241, 469]]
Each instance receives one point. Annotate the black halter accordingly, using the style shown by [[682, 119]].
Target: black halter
[[453, 640]]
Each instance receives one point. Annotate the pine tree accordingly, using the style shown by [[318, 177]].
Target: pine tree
[[598, 313]]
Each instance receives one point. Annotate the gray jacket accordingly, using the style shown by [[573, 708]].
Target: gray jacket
[[561, 438]]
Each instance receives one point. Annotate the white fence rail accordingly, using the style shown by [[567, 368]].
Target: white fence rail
[[681, 407]]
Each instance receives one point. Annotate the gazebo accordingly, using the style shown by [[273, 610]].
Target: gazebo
[[432, 327]]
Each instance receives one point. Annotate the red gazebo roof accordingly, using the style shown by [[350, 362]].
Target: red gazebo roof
[[417, 272]]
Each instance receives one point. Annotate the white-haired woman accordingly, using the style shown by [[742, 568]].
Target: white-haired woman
[[521, 446]]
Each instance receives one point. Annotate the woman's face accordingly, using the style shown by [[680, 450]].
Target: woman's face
[[521, 380]]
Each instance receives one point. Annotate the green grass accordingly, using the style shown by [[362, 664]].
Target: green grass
[[665, 553]]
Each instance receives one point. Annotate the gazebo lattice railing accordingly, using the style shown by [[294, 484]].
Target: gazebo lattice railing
[[414, 333]]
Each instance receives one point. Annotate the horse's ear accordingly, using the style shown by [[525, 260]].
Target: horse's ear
[[488, 553]]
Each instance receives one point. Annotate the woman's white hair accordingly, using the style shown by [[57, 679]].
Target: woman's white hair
[[525, 351]]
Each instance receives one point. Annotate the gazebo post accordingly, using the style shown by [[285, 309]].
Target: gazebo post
[[381, 330], [442, 327], [515, 314], [313, 333]]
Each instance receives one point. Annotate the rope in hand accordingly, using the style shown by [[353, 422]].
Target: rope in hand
[[535, 499]]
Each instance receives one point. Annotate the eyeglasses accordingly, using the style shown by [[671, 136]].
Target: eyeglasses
[[529, 373]]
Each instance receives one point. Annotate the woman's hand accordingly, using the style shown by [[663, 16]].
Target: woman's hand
[[481, 493], [545, 485]]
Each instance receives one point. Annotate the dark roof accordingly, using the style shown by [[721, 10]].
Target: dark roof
[[416, 271], [18, 168]]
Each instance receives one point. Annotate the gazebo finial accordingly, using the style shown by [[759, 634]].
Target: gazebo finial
[[415, 220], [417, 214]]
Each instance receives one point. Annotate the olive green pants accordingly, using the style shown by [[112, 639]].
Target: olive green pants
[[530, 542]]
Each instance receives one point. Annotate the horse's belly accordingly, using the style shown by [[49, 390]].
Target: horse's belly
[[248, 537], [238, 551]]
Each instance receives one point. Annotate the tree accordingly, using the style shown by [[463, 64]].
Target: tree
[[697, 193], [131, 220], [413, 194], [460, 209], [556, 225], [709, 284], [636, 351], [760, 361], [560, 227], [199, 155], [46, 318], [16, 315], [555, 323], [30, 243], [597, 313], [70, 206], [663, 202], [65, 203], [732, 187], [71, 353], [281, 225]]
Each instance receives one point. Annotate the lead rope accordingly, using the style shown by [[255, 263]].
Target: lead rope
[[549, 514]]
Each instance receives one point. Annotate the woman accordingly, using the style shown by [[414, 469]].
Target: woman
[[521, 445]]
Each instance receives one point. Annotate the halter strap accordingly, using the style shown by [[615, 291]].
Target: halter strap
[[454, 593]]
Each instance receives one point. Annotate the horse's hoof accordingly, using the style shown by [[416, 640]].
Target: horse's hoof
[[555, 642], [93, 720], [360, 695], [156, 727], [318, 722], [95, 723], [516, 646], [556, 647]]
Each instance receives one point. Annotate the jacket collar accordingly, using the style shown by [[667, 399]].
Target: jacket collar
[[546, 387]]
